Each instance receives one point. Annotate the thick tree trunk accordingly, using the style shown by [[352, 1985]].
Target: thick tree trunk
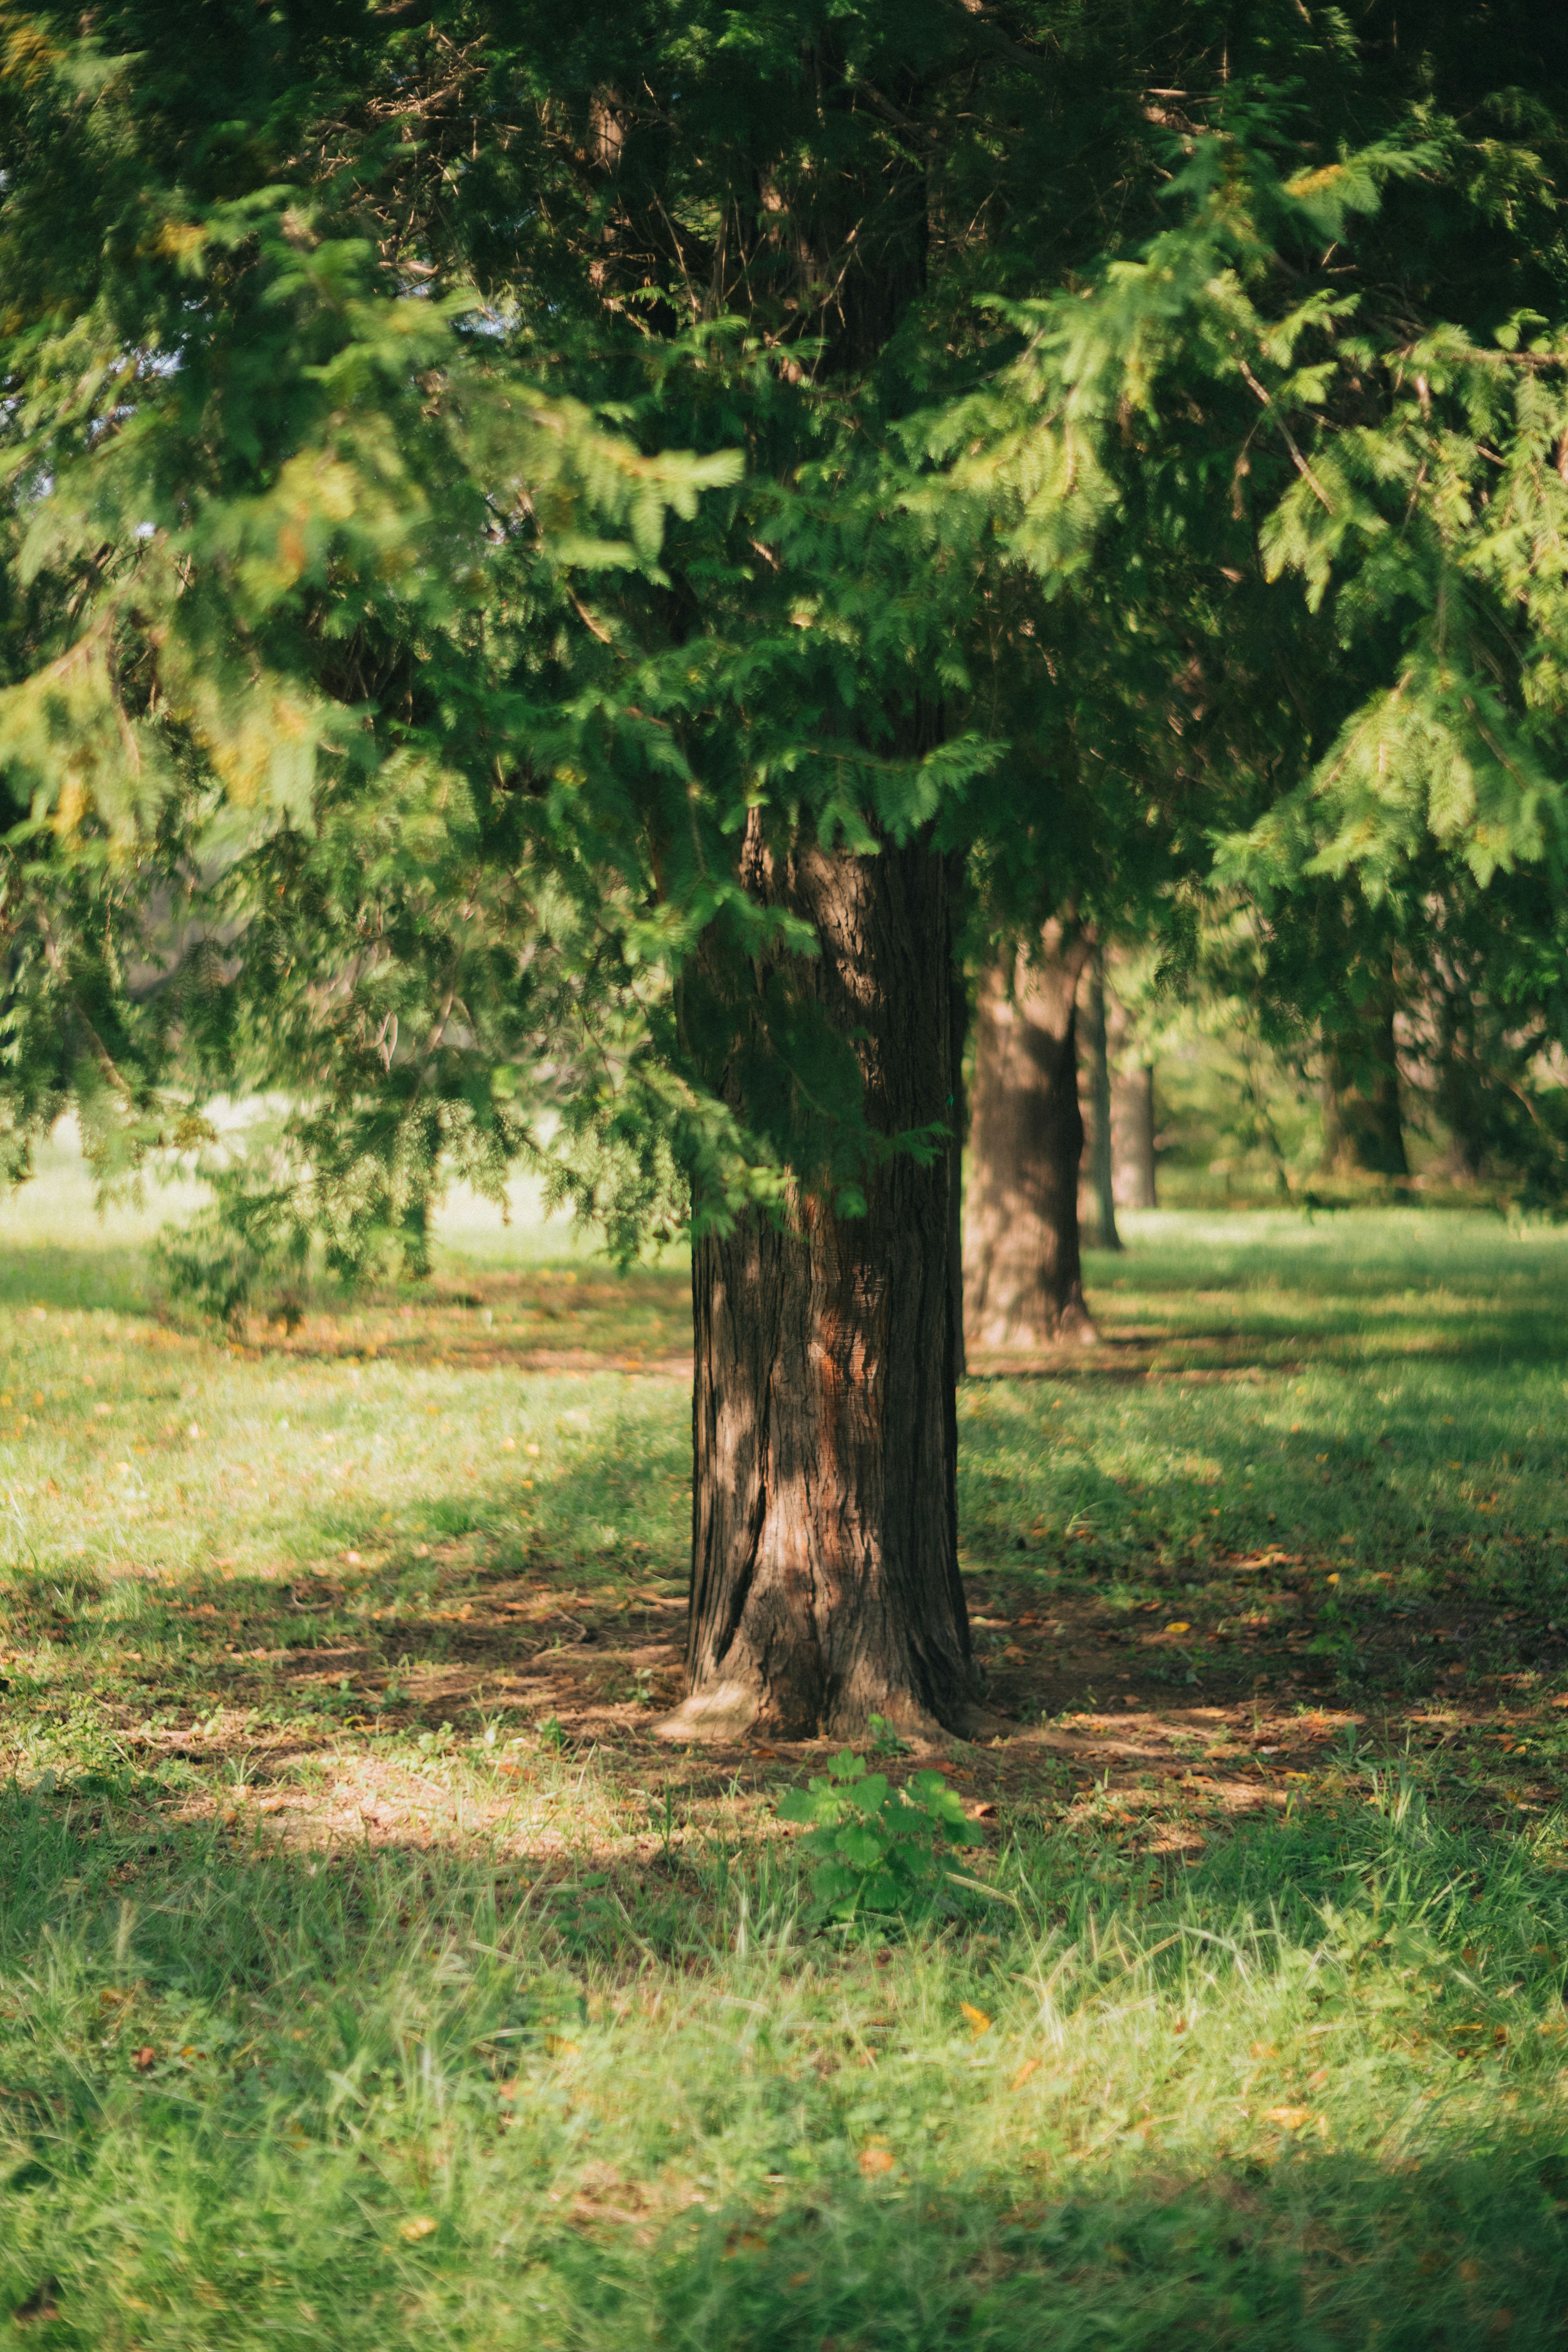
[[1363, 1132], [1097, 1197], [1132, 1138], [1021, 1281], [825, 1572]]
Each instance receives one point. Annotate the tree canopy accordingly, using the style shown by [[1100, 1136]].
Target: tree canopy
[[468, 467]]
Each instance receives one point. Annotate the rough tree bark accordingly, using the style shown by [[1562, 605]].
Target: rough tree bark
[[1023, 1285], [825, 1584], [1363, 1131], [1096, 1192], [824, 1567]]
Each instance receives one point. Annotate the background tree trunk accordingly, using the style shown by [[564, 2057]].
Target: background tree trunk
[[1132, 1138], [1096, 1196], [958, 1002], [1363, 1132], [825, 1572], [1021, 1281]]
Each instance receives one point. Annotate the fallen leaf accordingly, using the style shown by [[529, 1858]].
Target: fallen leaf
[[798, 2278], [418, 2226], [1289, 2118], [979, 2022], [145, 2058], [1315, 2082], [876, 2159], [1469, 2270], [1180, 1627], [1030, 2066]]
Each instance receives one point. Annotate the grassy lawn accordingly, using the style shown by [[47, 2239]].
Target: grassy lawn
[[372, 1976]]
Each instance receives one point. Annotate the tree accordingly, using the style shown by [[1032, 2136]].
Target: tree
[[544, 557], [1488, 1021], [1133, 1122], [1023, 1281], [1098, 1174], [1364, 1129]]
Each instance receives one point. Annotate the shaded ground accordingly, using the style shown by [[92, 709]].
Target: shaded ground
[[372, 1976], [1279, 1515]]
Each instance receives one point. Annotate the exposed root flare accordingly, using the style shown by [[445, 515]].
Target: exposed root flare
[[724, 1713]]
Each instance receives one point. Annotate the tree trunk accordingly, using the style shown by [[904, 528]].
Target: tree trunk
[[825, 1570], [1132, 1138], [1097, 1197], [1362, 1132], [1021, 1281], [1465, 1093]]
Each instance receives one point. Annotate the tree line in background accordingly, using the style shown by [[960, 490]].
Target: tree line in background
[[638, 590]]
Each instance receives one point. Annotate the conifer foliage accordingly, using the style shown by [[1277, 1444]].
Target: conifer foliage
[[552, 560]]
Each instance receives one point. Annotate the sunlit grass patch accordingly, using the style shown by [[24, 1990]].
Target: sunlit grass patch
[[370, 1974]]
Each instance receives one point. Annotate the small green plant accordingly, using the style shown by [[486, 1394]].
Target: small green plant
[[885, 1741], [874, 1848]]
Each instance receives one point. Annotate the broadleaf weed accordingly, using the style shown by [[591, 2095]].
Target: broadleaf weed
[[876, 1849]]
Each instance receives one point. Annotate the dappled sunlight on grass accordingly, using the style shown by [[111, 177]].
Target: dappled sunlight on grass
[[371, 1974]]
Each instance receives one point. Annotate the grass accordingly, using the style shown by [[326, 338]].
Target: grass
[[370, 1975]]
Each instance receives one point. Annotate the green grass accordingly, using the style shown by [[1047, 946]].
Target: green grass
[[370, 1977]]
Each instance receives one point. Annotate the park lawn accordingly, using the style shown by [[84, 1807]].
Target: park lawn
[[370, 1975]]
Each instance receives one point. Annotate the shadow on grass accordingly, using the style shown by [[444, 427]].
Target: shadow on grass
[[403, 2099]]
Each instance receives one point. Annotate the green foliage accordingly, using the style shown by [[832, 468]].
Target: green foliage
[[875, 1849], [481, 491]]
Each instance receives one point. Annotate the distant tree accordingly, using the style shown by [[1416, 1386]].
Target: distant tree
[[1023, 1280], [1363, 1125], [1097, 1176]]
